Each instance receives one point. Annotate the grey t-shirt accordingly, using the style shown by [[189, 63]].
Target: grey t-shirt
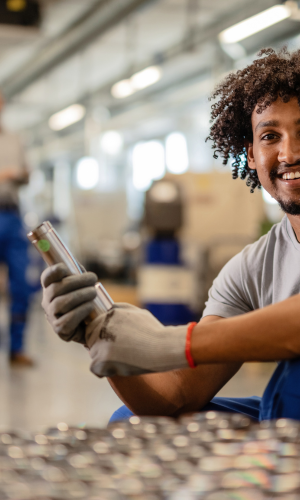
[[264, 273]]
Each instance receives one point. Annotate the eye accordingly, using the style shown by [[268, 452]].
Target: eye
[[268, 137]]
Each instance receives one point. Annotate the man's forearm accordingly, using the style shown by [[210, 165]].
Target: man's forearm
[[150, 394], [175, 392], [268, 334]]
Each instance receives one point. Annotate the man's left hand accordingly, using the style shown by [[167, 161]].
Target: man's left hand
[[128, 340]]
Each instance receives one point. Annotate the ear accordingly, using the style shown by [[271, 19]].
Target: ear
[[250, 155]]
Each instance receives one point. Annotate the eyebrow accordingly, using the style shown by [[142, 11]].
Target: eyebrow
[[272, 123]]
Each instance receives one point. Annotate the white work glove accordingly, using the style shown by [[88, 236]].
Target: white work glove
[[131, 341], [67, 301], [124, 341]]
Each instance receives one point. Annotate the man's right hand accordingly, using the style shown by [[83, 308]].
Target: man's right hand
[[67, 301]]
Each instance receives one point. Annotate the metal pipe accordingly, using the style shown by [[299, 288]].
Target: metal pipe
[[53, 251]]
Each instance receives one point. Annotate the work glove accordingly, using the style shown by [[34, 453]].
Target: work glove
[[124, 341], [130, 341], [68, 300]]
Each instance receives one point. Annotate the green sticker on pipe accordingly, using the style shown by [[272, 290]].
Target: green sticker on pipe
[[44, 245]]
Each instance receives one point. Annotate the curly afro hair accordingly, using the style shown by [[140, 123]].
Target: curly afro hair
[[273, 75]]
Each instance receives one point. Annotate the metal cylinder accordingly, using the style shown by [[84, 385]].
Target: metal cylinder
[[53, 251]]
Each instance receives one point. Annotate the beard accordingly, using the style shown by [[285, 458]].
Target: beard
[[288, 207]]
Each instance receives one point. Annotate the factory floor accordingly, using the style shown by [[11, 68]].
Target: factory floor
[[60, 387]]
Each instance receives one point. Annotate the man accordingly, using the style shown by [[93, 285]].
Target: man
[[13, 244], [252, 313]]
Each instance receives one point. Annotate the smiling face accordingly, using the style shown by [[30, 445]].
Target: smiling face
[[275, 152]]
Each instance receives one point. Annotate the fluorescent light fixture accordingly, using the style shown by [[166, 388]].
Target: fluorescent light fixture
[[67, 117], [148, 162], [146, 77], [112, 142], [122, 89], [138, 81], [254, 24], [87, 172], [177, 158], [268, 198]]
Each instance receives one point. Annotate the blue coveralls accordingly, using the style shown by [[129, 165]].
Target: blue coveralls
[[13, 252], [281, 398]]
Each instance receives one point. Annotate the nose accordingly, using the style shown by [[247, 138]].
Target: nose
[[289, 151]]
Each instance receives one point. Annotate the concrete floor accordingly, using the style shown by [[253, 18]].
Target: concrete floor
[[60, 387]]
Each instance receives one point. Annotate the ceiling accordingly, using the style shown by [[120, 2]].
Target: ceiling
[[82, 48]]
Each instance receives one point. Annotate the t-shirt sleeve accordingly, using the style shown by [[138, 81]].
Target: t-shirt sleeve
[[228, 295]]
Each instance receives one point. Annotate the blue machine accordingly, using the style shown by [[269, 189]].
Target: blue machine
[[165, 282]]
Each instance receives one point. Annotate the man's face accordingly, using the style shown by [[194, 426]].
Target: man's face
[[275, 152]]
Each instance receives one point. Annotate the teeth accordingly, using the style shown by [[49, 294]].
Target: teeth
[[291, 175]]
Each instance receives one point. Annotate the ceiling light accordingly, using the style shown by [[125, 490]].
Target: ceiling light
[[122, 89], [138, 81], [67, 117], [112, 142], [87, 172], [146, 77], [254, 24]]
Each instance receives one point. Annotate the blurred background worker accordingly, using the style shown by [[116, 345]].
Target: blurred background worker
[[13, 243]]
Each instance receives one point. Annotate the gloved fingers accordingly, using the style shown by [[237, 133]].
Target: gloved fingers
[[67, 302], [54, 273], [66, 324], [124, 305], [113, 368], [70, 284], [83, 269], [126, 312]]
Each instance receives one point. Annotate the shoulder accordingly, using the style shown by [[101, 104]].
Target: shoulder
[[252, 258], [250, 262], [237, 289]]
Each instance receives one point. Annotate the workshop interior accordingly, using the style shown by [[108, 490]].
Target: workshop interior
[[105, 108]]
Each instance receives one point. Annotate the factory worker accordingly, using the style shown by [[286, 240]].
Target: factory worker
[[13, 241], [253, 308]]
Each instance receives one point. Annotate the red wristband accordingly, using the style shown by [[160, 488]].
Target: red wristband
[[188, 345]]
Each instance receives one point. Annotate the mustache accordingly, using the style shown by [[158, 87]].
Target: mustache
[[282, 167]]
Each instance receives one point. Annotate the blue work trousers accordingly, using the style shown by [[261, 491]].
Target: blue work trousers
[[281, 398], [13, 252]]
